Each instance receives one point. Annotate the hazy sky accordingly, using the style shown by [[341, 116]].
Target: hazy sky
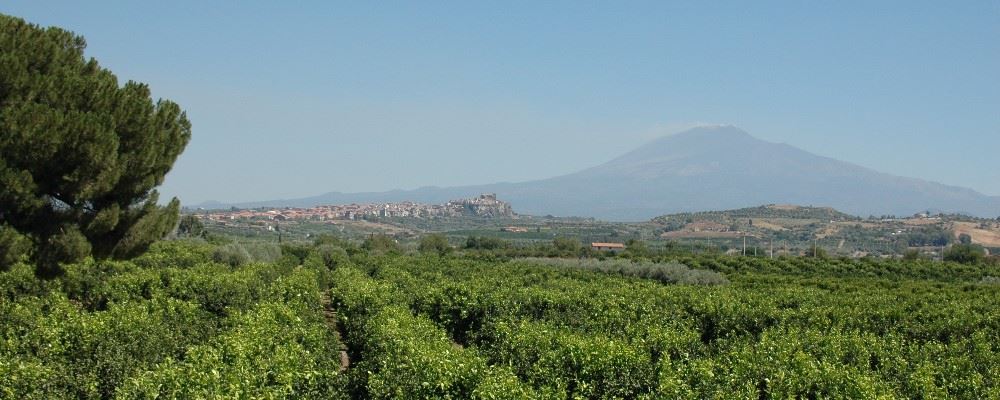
[[290, 99]]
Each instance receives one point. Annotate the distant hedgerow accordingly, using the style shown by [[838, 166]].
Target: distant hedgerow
[[670, 272]]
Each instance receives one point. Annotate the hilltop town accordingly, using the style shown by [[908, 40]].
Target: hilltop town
[[485, 205]]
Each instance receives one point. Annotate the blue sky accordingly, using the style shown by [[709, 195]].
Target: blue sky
[[291, 99]]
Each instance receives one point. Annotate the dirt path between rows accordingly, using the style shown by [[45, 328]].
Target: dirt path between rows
[[333, 324]]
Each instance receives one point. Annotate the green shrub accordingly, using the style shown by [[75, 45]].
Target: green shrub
[[566, 245], [176, 254], [435, 244], [237, 254], [20, 280], [333, 256], [233, 254], [486, 243], [14, 247], [381, 244], [263, 252], [965, 253]]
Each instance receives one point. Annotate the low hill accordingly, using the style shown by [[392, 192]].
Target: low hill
[[768, 211], [798, 227]]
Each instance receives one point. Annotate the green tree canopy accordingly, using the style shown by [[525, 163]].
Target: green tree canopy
[[80, 154], [965, 253], [381, 244], [191, 226], [435, 243], [486, 243], [636, 248], [566, 245]]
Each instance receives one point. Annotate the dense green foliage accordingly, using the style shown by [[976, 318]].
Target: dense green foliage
[[486, 243], [929, 236], [567, 245], [174, 323], [435, 243], [669, 272], [79, 154], [236, 254], [191, 226], [965, 253], [381, 244], [169, 324], [805, 328]]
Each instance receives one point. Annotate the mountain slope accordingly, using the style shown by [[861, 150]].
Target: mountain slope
[[707, 168]]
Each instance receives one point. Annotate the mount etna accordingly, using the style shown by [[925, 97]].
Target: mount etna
[[702, 169]]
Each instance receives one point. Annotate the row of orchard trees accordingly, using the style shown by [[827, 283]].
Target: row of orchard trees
[[772, 333], [172, 323], [486, 247], [181, 321]]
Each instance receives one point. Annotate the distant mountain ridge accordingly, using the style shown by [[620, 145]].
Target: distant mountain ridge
[[705, 168]]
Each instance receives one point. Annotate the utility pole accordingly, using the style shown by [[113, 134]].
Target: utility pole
[[744, 243], [771, 252]]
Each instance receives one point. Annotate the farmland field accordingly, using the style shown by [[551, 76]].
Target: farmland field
[[182, 321]]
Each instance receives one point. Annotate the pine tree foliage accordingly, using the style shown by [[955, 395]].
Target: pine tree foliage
[[80, 155]]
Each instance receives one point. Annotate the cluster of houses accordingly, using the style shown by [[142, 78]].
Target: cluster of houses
[[485, 205]]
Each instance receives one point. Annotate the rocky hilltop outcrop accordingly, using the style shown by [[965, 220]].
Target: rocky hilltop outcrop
[[486, 205]]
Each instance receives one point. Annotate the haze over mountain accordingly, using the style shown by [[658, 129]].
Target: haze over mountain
[[705, 168]]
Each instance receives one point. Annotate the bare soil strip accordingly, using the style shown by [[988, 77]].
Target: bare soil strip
[[331, 321]]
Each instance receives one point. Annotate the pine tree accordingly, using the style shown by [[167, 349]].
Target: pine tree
[[80, 155]]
